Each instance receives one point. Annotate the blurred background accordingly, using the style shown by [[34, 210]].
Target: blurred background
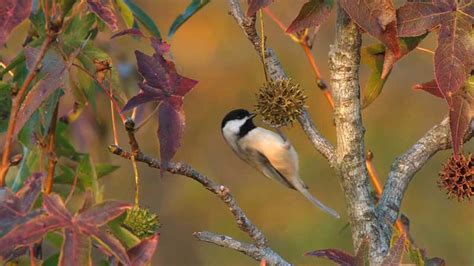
[[211, 48]]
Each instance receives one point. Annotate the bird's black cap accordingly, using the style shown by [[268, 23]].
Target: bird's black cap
[[236, 114]]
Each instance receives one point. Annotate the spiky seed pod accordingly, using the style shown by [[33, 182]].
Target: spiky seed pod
[[457, 177], [280, 102], [141, 222]]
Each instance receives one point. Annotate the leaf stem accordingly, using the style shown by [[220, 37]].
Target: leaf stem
[[424, 50], [112, 111], [16, 103], [262, 44], [52, 158]]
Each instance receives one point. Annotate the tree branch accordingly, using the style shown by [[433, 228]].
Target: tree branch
[[406, 166], [344, 61], [250, 250], [276, 72], [221, 191]]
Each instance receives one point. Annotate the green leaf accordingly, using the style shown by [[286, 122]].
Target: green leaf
[[52, 260], [144, 19], [373, 57], [64, 146], [28, 165], [79, 30], [66, 5], [18, 59], [103, 169], [126, 13], [5, 105], [87, 175], [192, 8]]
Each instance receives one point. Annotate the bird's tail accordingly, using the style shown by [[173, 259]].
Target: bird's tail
[[315, 201]]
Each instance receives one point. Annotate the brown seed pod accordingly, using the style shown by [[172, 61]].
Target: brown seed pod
[[457, 177], [141, 222], [280, 102]]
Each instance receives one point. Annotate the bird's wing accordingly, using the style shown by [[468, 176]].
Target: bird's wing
[[278, 159]]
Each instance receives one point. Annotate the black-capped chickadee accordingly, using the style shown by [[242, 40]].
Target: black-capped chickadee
[[267, 151]]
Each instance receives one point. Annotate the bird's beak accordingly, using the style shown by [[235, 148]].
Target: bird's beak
[[252, 115]]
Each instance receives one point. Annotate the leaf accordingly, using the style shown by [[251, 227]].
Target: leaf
[[105, 12], [147, 22], [141, 254], [54, 70], [76, 249], [55, 207], [126, 13], [407, 44], [192, 8], [132, 31], [124, 235], [103, 169], [86, 174], [373, 57], [15, 207], [453, 56], [170, 131], [108, 241], [313, 14], [13, 12], [335, 255], [430, 87], [395, 254], [103, 212], [5, 105], [29, 232], [460, 115], [255, 5], [378, 18]]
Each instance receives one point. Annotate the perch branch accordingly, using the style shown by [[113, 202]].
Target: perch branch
[[221, 191], [248, 249], [407, 165], [344, 60], [275, 72]]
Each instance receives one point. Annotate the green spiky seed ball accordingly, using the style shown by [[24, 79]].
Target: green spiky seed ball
[[280, 102], [141, 222]]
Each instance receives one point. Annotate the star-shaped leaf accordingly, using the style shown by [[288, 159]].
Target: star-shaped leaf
[[453, 57], [312, 14], [395, 255], [78, 229], [163, 84], [141, 254], [378, 18]]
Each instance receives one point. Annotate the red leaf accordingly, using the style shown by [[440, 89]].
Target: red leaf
[[112, 243], [171, 129], [103, 212], [29, 191], [312, 14], [395, 254], [378, 18], [76, 249], [335, 255], [430, 87], [104, 12], [255, 5], [460, 115], [453, 56], [141, 254], [362, 255], [29, 232], [12, 13], [53, 67], [54, 206], [132, 31]]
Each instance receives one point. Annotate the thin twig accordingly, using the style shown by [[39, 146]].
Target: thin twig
[[52, 158], [106, 91], [112, 111], [425, 50], [16, 103], [73, 188]]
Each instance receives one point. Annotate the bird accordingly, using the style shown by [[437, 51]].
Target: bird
[[267, 151]]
